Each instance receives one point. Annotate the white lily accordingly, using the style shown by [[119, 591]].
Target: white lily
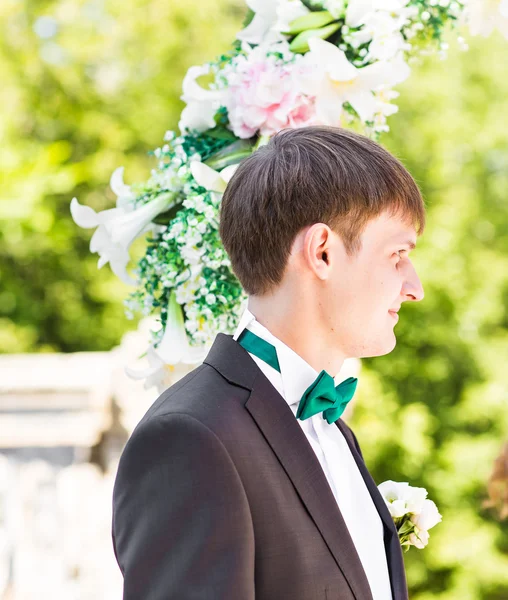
[[357, 11], [174, 347], [125, 196], [124, 229], [271, 17], [326, 73], [210, 179], [213, 181], [265, 16], [116, 229], [202, 104], [483, 16], [173, 351], [379, 22], [387, 46], [385, 108], [115, 254], [86, 217], [384, 31], [158, 374], [335, 7]]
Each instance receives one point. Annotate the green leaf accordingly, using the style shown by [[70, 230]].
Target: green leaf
[[300, 44], [313, 5], [168, 215], [221, 133], [262, 141], [230, 155], [248, 18], [311, 20], [406, 528]]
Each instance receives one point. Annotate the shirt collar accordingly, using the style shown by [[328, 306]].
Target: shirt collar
[[297, 375]]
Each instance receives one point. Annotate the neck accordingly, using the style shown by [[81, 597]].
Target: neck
[[297, 324]]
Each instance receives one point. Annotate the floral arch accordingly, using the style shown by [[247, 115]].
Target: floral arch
[[295, 63]]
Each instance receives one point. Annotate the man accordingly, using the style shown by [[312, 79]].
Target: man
[[242, 482]]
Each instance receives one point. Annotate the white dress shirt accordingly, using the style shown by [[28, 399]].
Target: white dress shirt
[[332, 451]]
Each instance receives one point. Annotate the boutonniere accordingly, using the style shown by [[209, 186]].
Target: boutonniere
[[411, 511]]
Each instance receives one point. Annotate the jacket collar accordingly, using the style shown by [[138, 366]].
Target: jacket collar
[[233, 362], [296, 375]]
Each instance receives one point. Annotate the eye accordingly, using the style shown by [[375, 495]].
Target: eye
[[400, 253]]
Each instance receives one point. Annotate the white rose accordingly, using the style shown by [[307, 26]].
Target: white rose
[[421, 541], [397, 508], [428, 517], [393, 490], [415, 499]]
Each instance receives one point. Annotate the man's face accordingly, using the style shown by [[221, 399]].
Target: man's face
[[366, 290]]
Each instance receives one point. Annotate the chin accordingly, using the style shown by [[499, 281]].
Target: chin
[[390, 344], [380, 348], [388, 348]]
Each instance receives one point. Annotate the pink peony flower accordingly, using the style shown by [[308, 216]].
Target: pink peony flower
[[262, 97]]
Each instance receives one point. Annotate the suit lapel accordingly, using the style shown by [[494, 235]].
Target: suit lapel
[[383, 511], [287, 440], [391, 538]]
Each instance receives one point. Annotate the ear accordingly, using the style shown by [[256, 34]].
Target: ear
[[316, 249]]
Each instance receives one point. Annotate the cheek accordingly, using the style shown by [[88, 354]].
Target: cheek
[[356, 295], [381, 287], [364, 291], [340, 296], [390, 289], [375, 281]]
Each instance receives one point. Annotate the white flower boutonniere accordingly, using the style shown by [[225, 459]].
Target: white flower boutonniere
[[411, 511]]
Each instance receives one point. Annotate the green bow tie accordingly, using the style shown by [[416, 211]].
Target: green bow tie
[[323, 396], [320, 396]]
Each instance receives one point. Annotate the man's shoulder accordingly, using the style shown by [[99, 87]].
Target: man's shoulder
[[203, 395]]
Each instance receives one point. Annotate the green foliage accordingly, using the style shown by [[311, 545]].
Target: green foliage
[[102, 92], [97, 94], [434, 411]]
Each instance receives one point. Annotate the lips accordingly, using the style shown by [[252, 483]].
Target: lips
[[394, 314]]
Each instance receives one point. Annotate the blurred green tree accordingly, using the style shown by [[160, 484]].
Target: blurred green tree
[[434, 412], [90, 85], [87, 86]]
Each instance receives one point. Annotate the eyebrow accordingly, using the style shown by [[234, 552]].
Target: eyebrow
[[408, 243]]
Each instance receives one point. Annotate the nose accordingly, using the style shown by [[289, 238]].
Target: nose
[[412, 289]]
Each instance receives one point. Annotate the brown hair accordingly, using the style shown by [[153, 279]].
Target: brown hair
[[306, 176]]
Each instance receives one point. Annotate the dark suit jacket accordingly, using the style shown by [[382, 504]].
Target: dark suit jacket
[[219, 496]]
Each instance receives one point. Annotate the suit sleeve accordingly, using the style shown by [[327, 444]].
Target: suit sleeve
[[182, 527]]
